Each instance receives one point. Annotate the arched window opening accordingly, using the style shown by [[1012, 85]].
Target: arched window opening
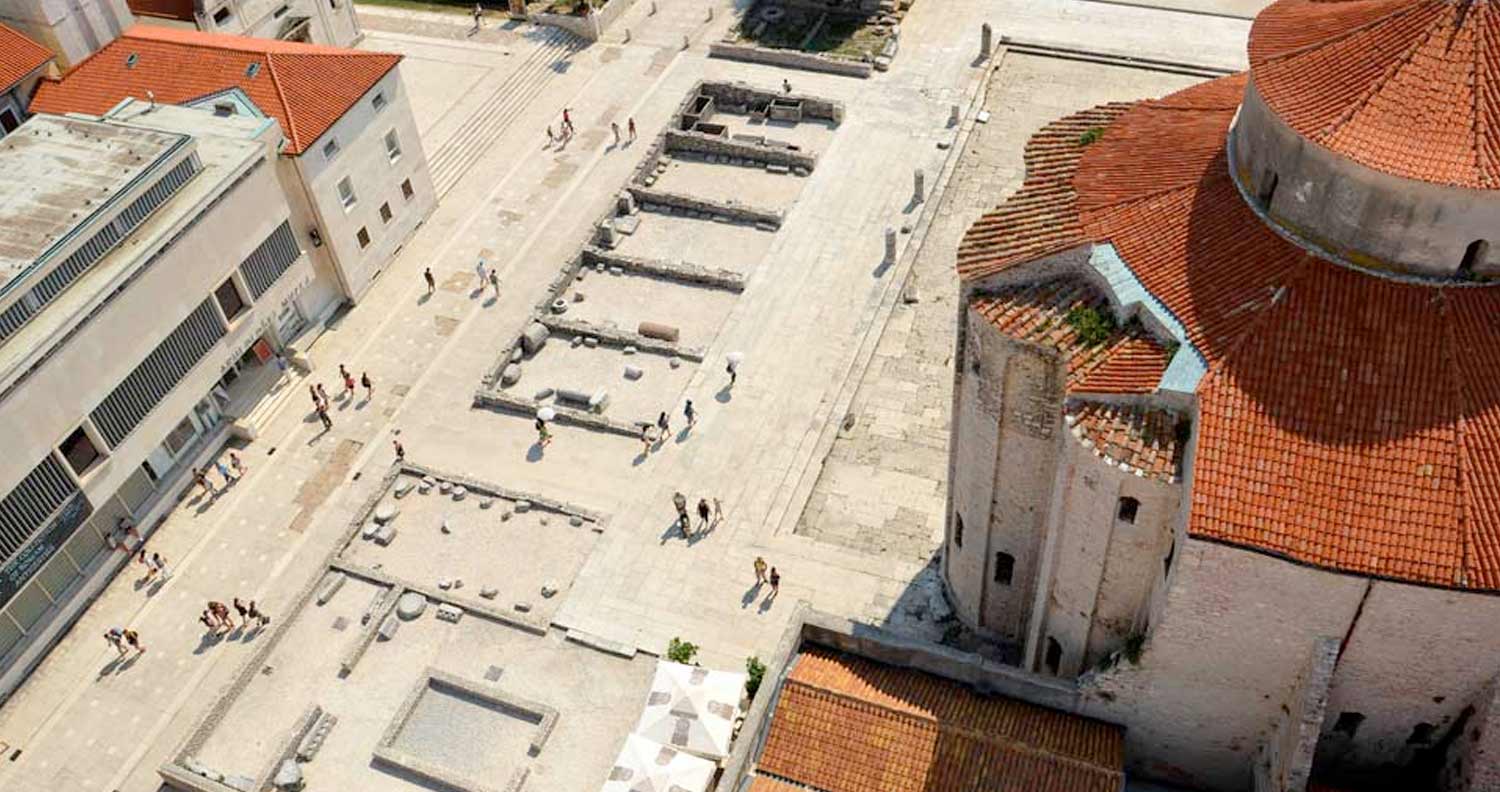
[[1053, 659], [1267, 188], [1005, 567], [958, 530], [1474, 258], [1128, 509]]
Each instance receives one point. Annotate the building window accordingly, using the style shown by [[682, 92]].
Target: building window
[[79, 450], [330, 149], [1005, 568], [958, 530], [385, 213], [1127, 510], [221, 16], [178, 438], [364, 238], [8, 121], [1267, 189], [1348, 723], [379, 101], [1421, 734], [229, 299], [406, 191], [280, 12], [392, 146], [1474, 256], [1054, 655], [346, 194]]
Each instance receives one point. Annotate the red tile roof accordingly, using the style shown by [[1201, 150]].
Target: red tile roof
[[1347, 420], [305, 87], [1128, 361], [1408, 87], [1144, 439], [181, 10], [847, 724], [19, 56]]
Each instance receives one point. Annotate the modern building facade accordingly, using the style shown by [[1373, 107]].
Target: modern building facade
[[351, 165], [330, 22], [23, 63], [1226, 434], [150, 273], [72, 29]]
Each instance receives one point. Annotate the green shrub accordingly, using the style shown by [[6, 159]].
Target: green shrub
[[680, 651], [755, 671], [1090, 135], [1092, 325]]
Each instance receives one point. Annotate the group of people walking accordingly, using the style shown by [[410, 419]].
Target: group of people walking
[[124, 640], [708, 517], [232, 472], [217, 619], [567, 129], [320, 396]]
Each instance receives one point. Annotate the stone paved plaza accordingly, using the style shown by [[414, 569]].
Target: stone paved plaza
[[827, 455]]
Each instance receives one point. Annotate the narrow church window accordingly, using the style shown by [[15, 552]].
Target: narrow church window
[[1267, 189], [1166, 564], [1348, 723], [1127, 510], [1054, 655], [1474, 256], [1005, 567], [958, 530]]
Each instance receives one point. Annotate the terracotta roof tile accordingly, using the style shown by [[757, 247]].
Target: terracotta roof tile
[[19, 56], [1128, 361], [1142, 439], [847, 724], [1407, 87], [305, 87], [1347, 420], [1041, 217]]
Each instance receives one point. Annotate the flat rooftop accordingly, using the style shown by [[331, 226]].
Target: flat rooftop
[[59, 171], [226, 147]]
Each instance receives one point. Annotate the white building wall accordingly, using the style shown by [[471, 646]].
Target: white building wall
[[331, 22], [362, 158], [58, 397], [73, 29]]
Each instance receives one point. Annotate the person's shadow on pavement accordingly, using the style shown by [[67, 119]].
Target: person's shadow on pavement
[[750, 595]]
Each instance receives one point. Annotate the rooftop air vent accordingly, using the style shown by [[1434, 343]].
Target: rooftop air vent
[[130, 60], [253, 69]]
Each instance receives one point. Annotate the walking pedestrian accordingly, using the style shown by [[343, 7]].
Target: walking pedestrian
[[543, 437], [703, 513], [221, 615], [254, 613], [134, 639], [663, 425], [775, 579], [209, 621], [116, 638], [158, 566], [201, 479], [348, 382], [687, 411], [312, 390], [760, 570], [733, 369], [567, 120], [322, 397], [281, 364], [431, 281], [786, 85], [679, 501], [369, 385], [630, 127], [323, 416], [239, 467], [718, 511], [400, 452], [478, 15], [646, 438], [483, 273], [495, 281], [244, 612], [551, 138], [229, 478], [615, 128]]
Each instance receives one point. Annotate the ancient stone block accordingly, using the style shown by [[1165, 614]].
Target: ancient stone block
[[633, 372], [510, 375], [330, 586], [534, 337], [659, 331], [411, 605], [449, 613]]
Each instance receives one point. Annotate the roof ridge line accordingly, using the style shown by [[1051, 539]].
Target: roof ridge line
[[294, 134], [1460, 435], [1397, 64], [1294, 277], [1478, 77], [980, 737], [1404, 8]]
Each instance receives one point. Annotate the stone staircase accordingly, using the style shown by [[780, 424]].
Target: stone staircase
[[501, 108]]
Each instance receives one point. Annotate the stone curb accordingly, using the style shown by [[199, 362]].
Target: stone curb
[[683, 271], [500, 400], [789, 59], [614, 336], [288, 746], [730, 209]]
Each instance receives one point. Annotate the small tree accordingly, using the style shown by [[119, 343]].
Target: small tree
[[755, 671], [680, 651]]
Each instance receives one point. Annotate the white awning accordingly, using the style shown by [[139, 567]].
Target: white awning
[[646, 765], [692, 708]]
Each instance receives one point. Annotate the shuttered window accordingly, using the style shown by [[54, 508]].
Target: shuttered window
[[29, 506], [268, 261], [132, 400]]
